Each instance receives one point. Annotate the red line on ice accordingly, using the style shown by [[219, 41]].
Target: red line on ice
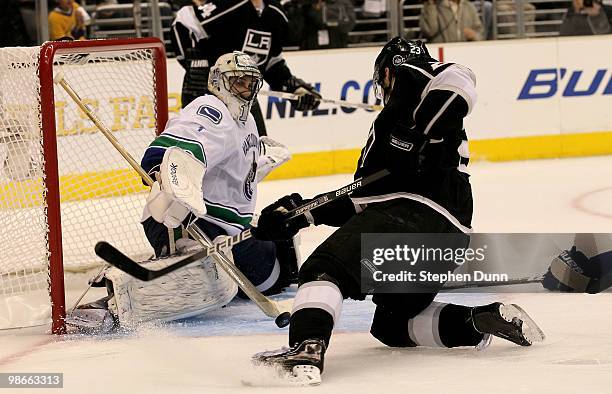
[[579, 204], [11, 358]]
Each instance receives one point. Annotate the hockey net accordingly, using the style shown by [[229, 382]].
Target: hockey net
[[63, 187]]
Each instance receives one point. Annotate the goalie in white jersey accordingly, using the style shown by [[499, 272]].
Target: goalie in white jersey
[[220, 132], [225, 158]]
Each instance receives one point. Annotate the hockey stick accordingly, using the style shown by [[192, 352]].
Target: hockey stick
[[268, 306], [595, 285], [335, 194], [343, 103], [471, 285], [113, 256]]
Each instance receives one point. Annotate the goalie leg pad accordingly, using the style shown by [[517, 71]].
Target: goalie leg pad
[[195, 289]]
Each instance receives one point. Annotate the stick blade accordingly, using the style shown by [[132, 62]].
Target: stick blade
[[113, 256]]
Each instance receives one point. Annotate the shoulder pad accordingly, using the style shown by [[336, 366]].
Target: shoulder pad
[[459, 79]]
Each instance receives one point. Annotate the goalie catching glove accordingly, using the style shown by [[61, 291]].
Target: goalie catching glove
[[273, 154], [273, 225], [178, 190]]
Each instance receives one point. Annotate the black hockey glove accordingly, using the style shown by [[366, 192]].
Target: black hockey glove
[[573, 272], [309, 98], [273, 224], [404, 149]]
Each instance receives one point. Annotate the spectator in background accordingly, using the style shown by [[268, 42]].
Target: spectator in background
[[485, 9], [294, 9], [450, 21], [585, 17], [30, 20], [508, 20], [68, 20], [327, 24]]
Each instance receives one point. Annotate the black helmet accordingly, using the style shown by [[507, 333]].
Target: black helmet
[[395, 53]]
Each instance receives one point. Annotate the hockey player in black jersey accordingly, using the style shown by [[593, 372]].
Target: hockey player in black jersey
[[419, 138], [257, 27]]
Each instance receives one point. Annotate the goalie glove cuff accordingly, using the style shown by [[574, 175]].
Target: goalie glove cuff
[[273, 154], [164, 208]]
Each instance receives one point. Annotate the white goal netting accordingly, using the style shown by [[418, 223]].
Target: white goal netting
[[101, 197]]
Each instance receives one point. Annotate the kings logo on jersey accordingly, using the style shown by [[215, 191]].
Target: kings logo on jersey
[[257, 44]]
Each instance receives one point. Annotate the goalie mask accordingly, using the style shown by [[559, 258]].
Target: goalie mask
[[235, 80], [396, 52]]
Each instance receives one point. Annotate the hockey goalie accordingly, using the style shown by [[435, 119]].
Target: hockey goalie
[[206, 164]]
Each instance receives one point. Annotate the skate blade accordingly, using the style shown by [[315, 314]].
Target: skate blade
[[275, 376], [535, 330], [305, 375], [530, 330]]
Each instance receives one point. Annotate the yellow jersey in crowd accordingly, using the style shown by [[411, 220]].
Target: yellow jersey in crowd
[[67, 24]]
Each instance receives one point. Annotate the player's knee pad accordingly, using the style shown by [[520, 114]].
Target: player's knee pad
[[390, 328], [396, 313]]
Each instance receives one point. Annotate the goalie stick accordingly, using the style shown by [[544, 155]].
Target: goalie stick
[[342, 103], [268, 306], [113, 256]]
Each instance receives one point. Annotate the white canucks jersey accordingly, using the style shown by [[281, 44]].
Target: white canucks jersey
[[206, 129]]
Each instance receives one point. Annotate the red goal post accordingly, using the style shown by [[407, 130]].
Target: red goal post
[[72, 172]]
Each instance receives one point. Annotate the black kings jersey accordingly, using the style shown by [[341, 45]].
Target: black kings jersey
[[222, 26], [431, 99]]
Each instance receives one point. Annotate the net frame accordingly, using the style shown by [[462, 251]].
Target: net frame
[[48, 52]]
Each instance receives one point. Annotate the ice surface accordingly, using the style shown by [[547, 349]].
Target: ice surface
[[210, 353]]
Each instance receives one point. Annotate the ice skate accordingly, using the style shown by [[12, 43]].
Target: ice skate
[[301, 364], [509, 322]]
